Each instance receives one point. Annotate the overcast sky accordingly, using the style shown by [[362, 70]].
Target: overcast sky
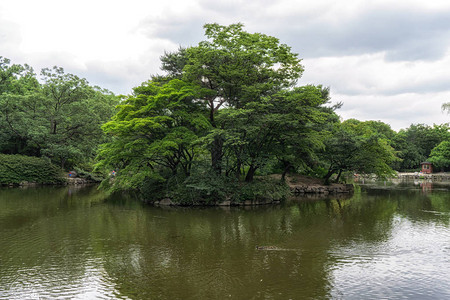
[[385, 60]]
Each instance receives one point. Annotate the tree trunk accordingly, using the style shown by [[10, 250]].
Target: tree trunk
[[216, 155], [327, 177], [286, 169], [53, 127], [238, 169], [339, 175], [250, 174], [217, 146]]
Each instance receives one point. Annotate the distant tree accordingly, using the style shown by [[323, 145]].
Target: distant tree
[[16, 79], [415, 143], [360, 147], [60, 118], [440, 155], [173, 63]]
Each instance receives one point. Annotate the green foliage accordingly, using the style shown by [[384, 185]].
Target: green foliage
[[264, 189], [446, 107], [205, 187], [415, 143], [226, 109], [174, 63], [359, 147], [154, 134], [60, 118], [239, 67], [89, 175], [285, 127], [440, 155], [15, 169]]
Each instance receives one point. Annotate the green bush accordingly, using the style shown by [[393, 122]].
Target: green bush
[[210, 188], [262, 188], [15, 169], [89, 175], [203, 188]]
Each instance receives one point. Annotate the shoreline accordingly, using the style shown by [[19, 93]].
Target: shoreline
[[300, 186], [67, 181]]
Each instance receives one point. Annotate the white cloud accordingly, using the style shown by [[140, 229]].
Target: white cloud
[[372, 74], [397, 110]]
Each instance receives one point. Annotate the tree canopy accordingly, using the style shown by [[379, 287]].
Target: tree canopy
[[361, 147], [59, 118], [440, 155], [227, 110], [414, 144]]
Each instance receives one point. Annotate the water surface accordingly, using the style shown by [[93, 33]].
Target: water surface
[[387, 241]]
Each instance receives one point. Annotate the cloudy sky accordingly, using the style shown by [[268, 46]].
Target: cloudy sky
[[385, 60]]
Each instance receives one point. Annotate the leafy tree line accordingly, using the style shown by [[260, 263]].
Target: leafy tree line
[[58, 117]]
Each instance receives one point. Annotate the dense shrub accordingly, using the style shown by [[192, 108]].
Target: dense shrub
[[89, 174], [15, 169], [208, 188]]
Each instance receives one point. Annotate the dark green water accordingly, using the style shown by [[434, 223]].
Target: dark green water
[[389, 242]]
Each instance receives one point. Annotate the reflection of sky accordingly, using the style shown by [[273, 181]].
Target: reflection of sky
[[56, 281], [413, 263]]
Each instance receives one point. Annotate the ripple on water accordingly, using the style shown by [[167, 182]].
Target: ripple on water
[[34, 271], [93, 283], [325, 250], [412, 263]]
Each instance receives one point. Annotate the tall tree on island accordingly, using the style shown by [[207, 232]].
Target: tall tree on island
[[237, 68], [225, 109]]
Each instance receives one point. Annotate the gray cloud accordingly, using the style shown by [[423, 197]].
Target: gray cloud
[[398, 111], [403, 34], [185, 31], [118, 76], [423, 87]]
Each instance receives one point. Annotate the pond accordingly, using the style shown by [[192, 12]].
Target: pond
[[385, 241]]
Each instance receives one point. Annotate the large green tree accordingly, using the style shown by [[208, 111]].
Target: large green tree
[[225, 109], [155, 134], [238, 68], [359, 147], [16, 81], [59, 118]]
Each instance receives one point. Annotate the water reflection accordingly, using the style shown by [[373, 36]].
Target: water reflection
[[384, 241]]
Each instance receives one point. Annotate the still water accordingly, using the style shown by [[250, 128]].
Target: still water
[[384, 242]]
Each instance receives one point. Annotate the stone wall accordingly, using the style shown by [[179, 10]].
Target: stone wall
[[322, 189]]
